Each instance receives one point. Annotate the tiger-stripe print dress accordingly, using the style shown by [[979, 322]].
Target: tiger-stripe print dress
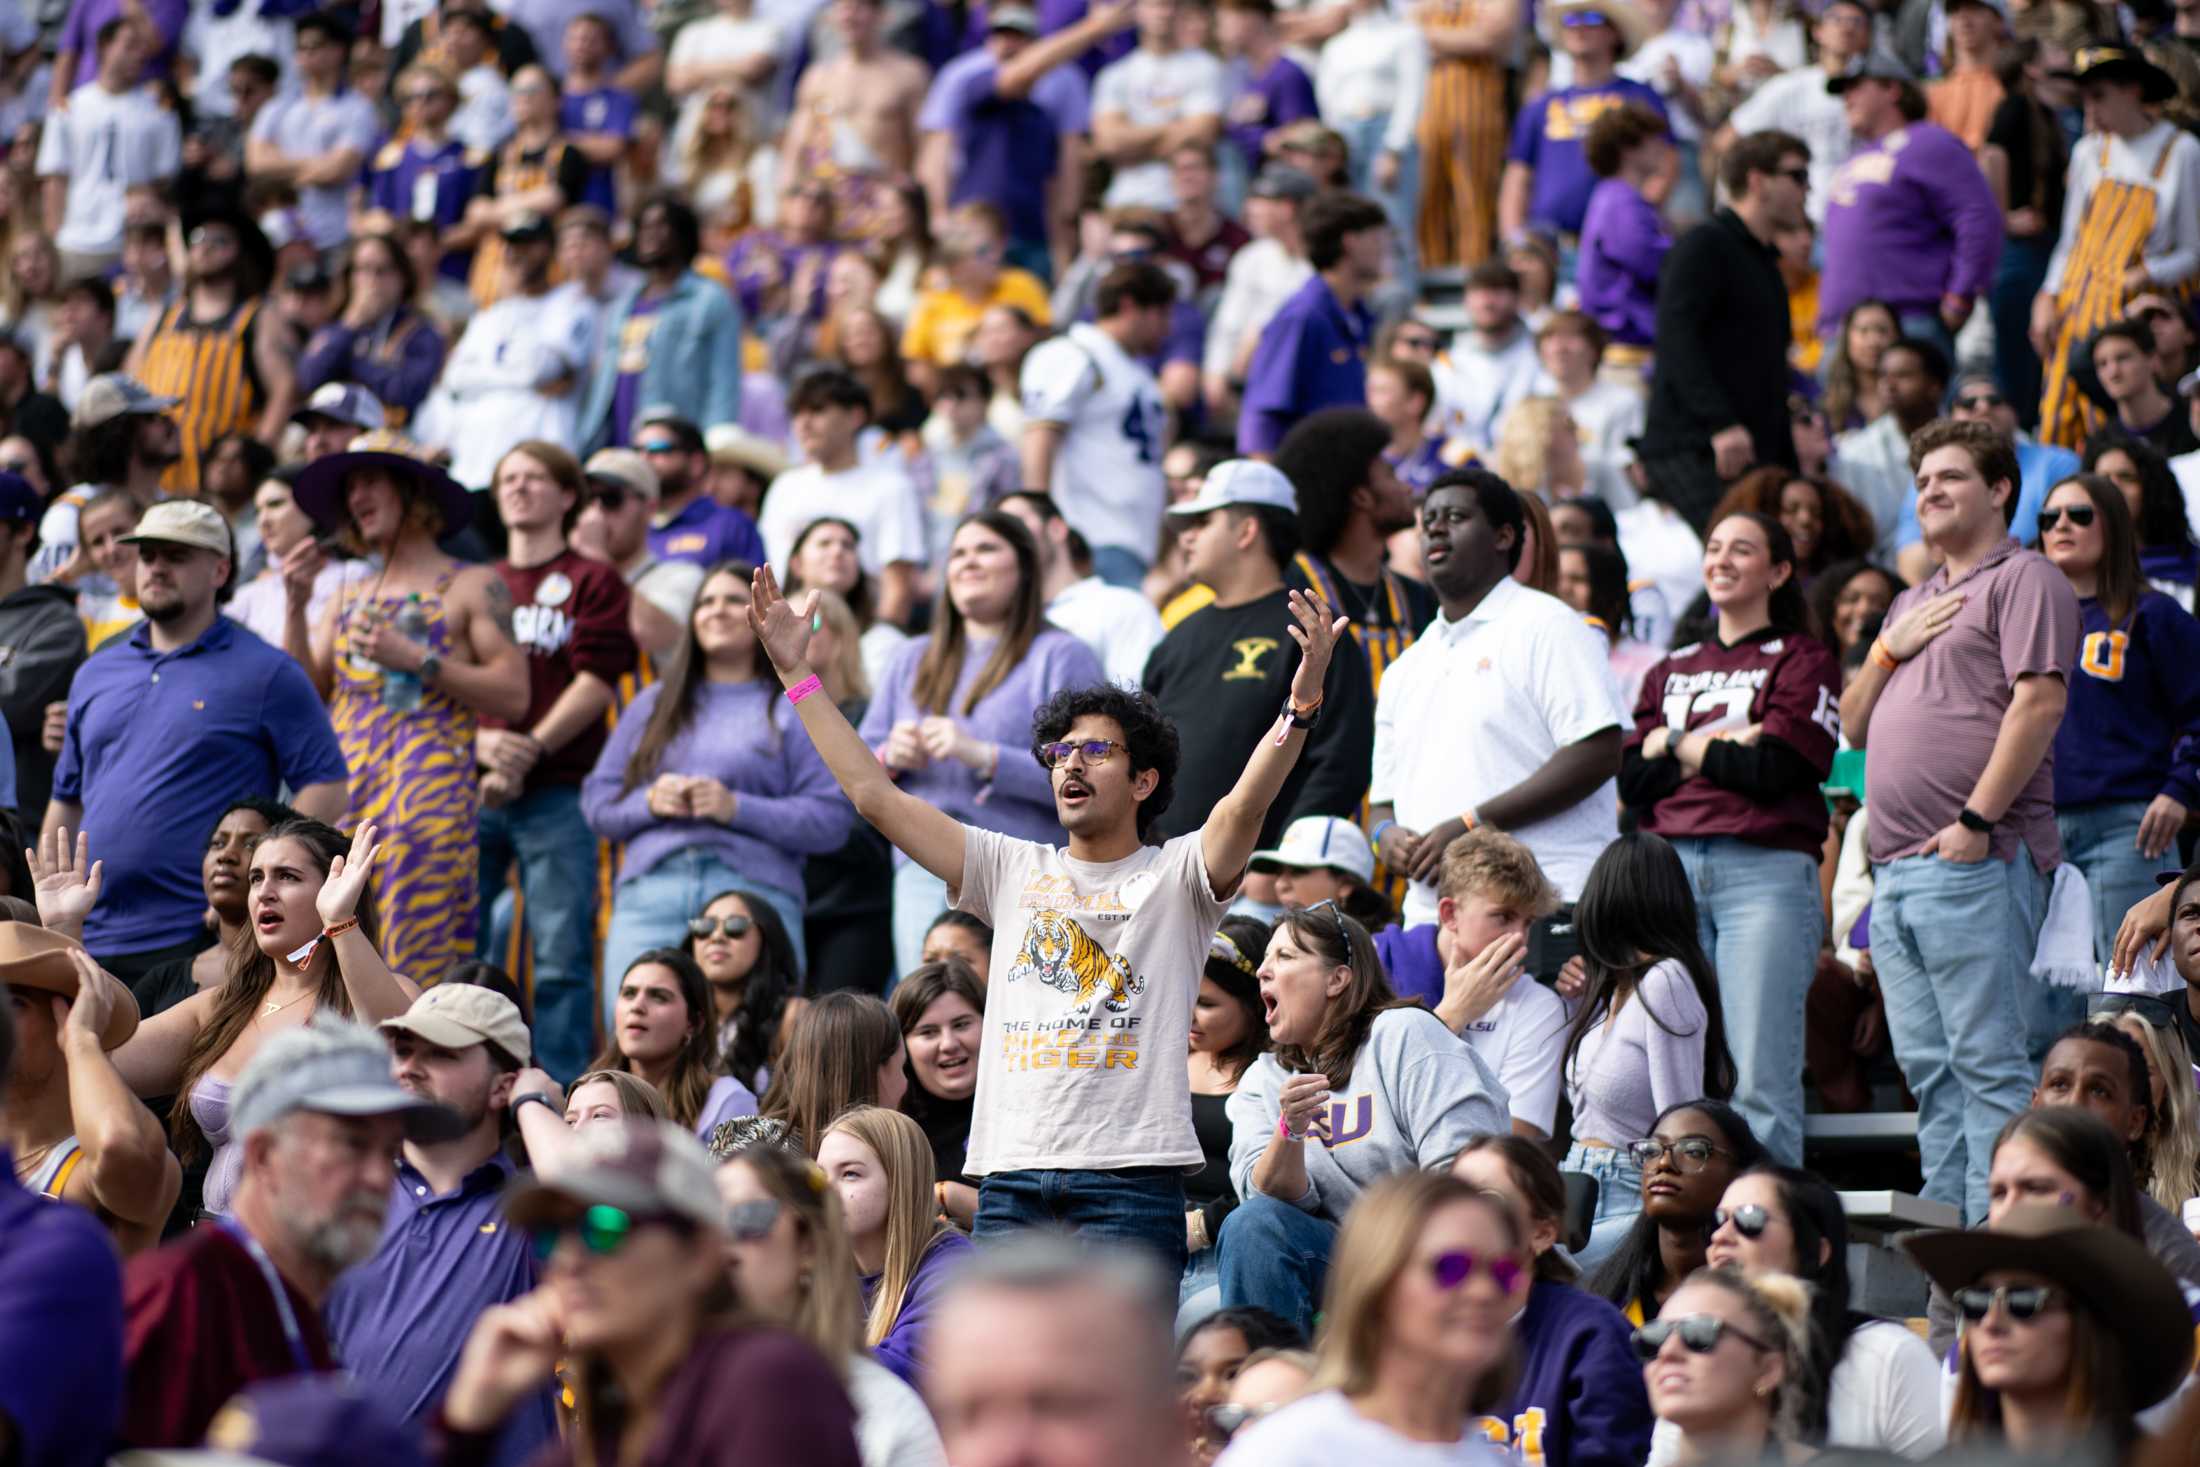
[[412, 775]]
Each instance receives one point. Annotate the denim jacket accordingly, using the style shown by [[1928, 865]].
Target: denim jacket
[[694, 359]]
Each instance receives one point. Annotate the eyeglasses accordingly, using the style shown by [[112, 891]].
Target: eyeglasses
[[1450, 1270], [2145, 1006], [1980, 402], [603, 1231], [213, 239], [1700, 1334], [752, 1222], [1749, 1219], [1336, 915], [2022, 1303], [734, 926], [1691, 1154], [659, 446], [1094, 751], [2081, 515], [1224, 1422]]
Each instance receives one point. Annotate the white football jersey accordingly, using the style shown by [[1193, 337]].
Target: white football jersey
[[1107, 476]]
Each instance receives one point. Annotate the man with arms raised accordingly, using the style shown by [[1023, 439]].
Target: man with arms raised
[[1083, 1115]]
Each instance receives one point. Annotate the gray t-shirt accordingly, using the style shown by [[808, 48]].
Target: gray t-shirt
[[1089, 1014], [1416, 1094]]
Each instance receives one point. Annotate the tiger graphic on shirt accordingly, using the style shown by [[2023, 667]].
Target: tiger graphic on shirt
[[1062, 955]]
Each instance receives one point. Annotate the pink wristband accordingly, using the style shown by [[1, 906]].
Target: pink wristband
[[1283, 1129], [803, 689]]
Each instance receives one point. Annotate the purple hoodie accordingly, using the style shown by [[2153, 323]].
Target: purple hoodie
[[1623, 244], [902, 1351], [1909, 219]]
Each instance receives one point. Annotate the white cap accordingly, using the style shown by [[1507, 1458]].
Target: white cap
[[1312, 842], [1242, 481]]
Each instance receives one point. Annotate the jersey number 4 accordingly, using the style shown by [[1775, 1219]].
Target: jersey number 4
[[1136, 429]]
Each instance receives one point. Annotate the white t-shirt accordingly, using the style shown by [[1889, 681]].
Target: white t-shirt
[[1119, 625], [1095, 967], [102, 144], [1476, 706], [1475, 385], [721, 38], [1664, 550], [1692, 55], [1605, 418], [1107, 473], [1322, 1430], [1150, 89], [877, 498], [1522, 1039], [1261, 277], [261, 605], [491, 396], [1797, 102]]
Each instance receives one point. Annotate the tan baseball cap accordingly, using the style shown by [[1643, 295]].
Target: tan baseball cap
[[625, 467], [184, 522], [460, 1015]]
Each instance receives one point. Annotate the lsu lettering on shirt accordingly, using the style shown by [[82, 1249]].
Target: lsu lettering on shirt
[[1095, 966]]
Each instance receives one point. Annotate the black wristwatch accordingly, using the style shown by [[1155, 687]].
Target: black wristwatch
[[1970, 819], [1301, 720], [540, 1099]]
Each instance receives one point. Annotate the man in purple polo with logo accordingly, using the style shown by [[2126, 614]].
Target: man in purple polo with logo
[[1547, 179], [1313, 353]]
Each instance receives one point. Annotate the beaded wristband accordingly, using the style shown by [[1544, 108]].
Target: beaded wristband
[[803, 689]]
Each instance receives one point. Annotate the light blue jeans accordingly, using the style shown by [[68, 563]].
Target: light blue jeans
[[2102, 841], [1363, 138], [919, 899], [1119, 567], [1199, 1291], [543, 832], [1952, 943], [1758, 918], [652, 910], [1276, 1256], [1619, 1198]]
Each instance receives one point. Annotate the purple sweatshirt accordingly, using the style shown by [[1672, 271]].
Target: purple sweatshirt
[[786, 803], [1909, 219], [1623, 243], [902, 1351], [1019, 800]]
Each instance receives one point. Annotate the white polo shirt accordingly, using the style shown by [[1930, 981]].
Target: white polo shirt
[[1475, 706], [1522, 1039]]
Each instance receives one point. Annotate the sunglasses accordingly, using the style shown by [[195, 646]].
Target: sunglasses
[[1700, 1335], [1094, 751], [1800, 177], [1344, 933], [2081, 515], [1691, 1154], [611, 496], [603, 1231], [752, 1222], [1981, 402], [1749, 1219], [2022, 1303], [1450, 1270], [2154, 1011], [1582, 18], [735, 926], [659, 445], [220, 239]]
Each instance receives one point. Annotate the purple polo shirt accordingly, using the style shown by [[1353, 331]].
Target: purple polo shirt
[[1259, 105], [1004, 144], [80, 33], [1547, 136], [1313, 355], [707, 532], [605, 110], [401, 1318], [60, 1328], [1623, 244], [406, 182]]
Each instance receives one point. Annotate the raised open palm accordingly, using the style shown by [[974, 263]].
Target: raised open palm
[[783, 629], [347, 878], [64, 879]]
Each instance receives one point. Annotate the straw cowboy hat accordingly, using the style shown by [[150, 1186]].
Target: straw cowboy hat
[[2113, 1275], [1620, 15], [32, 957]]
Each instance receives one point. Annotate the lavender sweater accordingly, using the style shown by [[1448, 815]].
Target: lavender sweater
[[1019, 801], [1908, 220], [786, 805], [1630, 1067]]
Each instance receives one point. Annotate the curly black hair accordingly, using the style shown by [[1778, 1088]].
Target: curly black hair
[[1326, 456], [1147, 733]]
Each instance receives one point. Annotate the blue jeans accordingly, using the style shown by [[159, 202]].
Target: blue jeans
[[652, 910], [1927, 326], [1952, 943], [1363, 139], [1143, 1208], [1276, 1255], [1758, 918], [1119, 567], [1619, 1198], [1199, 1292], [2017, 279], [2102, 841], [919, 899], [543, 831]]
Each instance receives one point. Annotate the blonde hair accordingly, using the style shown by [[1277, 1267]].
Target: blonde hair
[[1492, 864], [1374, 1247], [844, 677], [1778, 1306], [912, 1212], [2176, 1152], [830, 1315], [1522, 457], [428, 71]]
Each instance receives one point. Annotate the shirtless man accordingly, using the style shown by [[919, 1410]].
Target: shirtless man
[[855, 118]]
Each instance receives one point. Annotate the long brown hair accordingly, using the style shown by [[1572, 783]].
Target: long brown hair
[[1327, 933], [678, 689], [1542, 1191], [942, 666], [2118, 581], [695, 1067], [831, 1062], [251, 973], [2097, 1393]]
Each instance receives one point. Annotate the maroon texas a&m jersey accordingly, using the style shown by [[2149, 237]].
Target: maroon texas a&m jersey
[[1788, 683]]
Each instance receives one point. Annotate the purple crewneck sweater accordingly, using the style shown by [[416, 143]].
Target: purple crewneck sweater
[[1908, 219], [786, 804], [902, 1351], [1020, 799]]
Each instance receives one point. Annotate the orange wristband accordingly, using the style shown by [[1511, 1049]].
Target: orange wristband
[[1882, 656]]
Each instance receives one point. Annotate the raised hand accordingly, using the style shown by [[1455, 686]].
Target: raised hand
[[64, 880], [1305, 1104], [86, 1014], [347, 878], [782, 629], [1316, 633], [1472, 986]]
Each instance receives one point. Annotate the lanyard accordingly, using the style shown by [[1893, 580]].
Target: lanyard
[[289, 1316]]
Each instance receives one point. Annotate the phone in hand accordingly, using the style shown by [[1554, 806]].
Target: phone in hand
[[1552, 941]]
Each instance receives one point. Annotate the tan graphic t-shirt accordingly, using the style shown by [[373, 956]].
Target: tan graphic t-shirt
[[1095, 967]]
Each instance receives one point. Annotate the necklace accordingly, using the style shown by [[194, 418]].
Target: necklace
[[271, 1007]]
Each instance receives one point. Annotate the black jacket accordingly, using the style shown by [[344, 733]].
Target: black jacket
[[1722, 343], [41, 646]]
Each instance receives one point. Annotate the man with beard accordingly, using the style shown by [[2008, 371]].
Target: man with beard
[[675, 338], [207, 351], [239, 1300], [687, 523], [402, 1317], [123, 438], [513, 375], [233, 716]]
